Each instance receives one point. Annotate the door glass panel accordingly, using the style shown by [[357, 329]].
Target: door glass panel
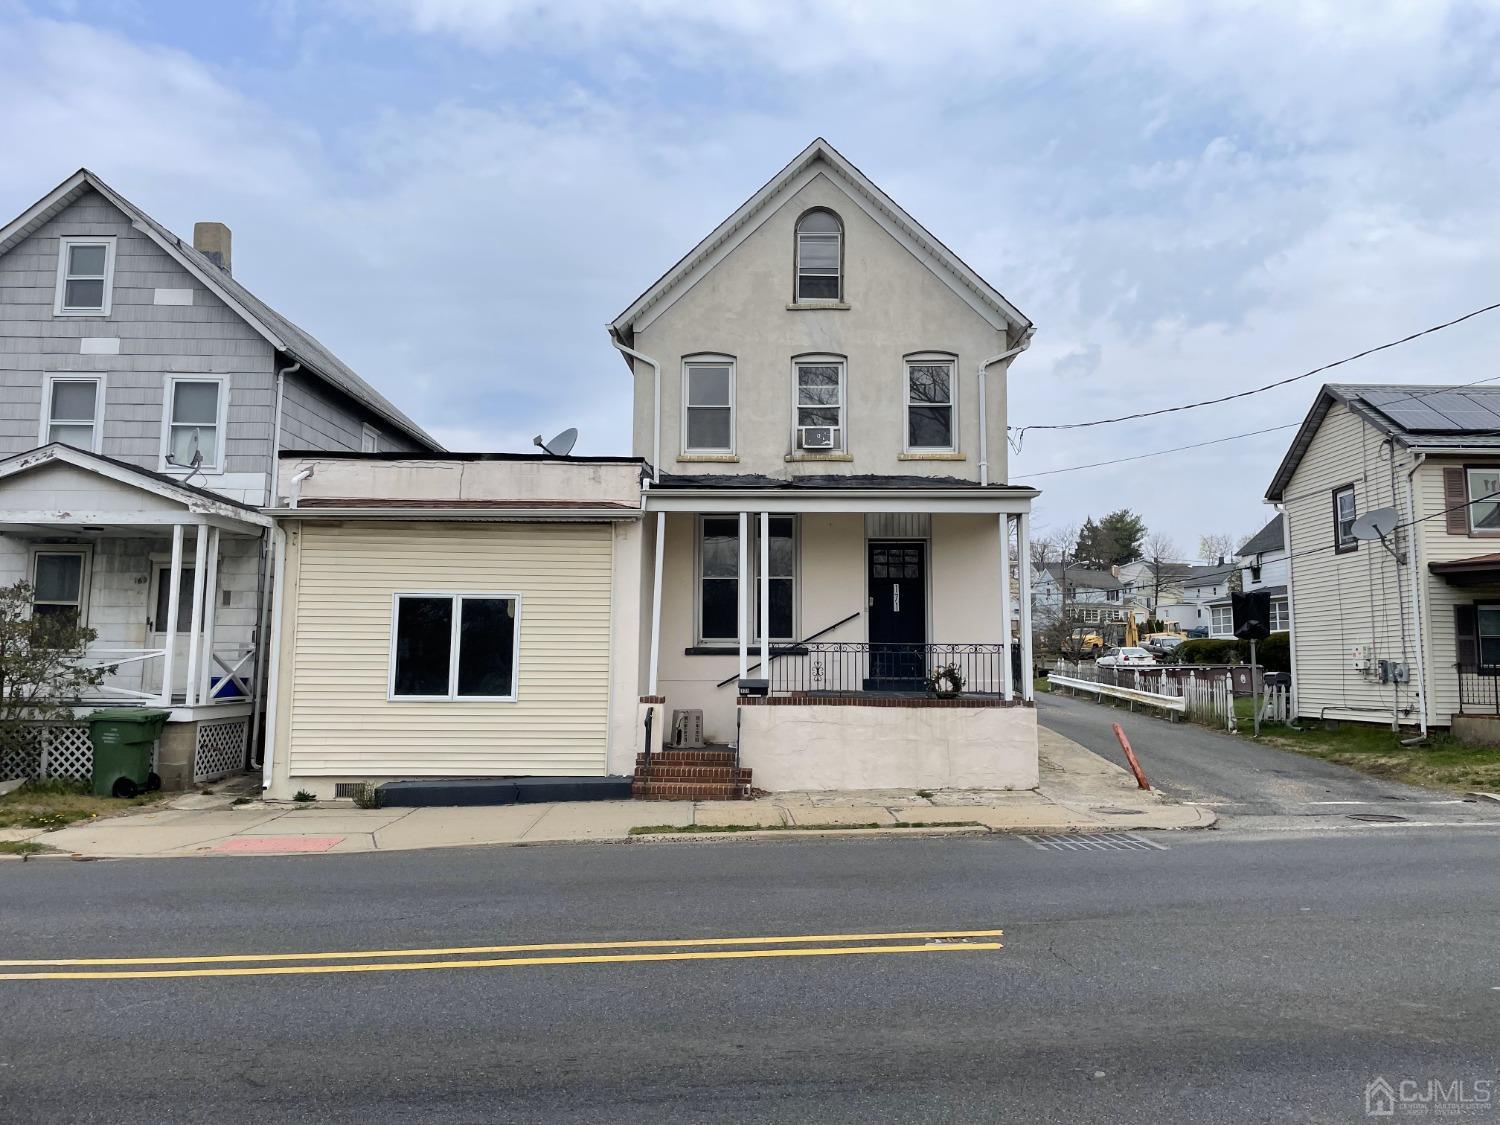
[[184, 599]]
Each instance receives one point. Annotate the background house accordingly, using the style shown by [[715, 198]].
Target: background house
[[1077, 594], [144, 393], [1408, 626]]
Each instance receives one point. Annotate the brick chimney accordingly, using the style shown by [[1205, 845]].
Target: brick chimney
[[212, 241]]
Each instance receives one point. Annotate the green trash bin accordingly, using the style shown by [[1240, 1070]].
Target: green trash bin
[[123, 739]]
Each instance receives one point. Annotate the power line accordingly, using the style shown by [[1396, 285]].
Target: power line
[[1412, 396], [1020, 431]]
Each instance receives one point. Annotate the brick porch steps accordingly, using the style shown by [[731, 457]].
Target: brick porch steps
[[690, 775]]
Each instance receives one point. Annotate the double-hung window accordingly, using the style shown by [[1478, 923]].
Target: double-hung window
[[1344, 514], [820, 404], [59, 579], [194, 424], [719, 578], [708, 406], [71, 405], [1484, 503], [1280, 615], [455, 646], [1222, 620], [85, 276], [820, 255], [929, 405]]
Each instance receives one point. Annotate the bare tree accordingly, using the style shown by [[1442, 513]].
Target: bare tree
[[1217, 545], [1160, 553]]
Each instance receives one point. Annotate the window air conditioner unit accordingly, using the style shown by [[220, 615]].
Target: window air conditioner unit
[[817, 437]]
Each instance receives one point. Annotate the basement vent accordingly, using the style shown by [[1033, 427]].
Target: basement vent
[[347, 788], [1093, 842]]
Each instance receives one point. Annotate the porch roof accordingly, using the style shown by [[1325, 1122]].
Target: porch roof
[[833, 492], [76, 492], [1480, 570]]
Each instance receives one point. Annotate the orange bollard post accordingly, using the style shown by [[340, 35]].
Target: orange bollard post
[[1135, 766]]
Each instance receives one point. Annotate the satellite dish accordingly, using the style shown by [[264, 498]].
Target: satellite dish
[[561, 445], [1375, 525]]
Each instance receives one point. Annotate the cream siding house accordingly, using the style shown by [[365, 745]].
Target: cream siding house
[[820, 395], [1408, 626], [458, 616], [144, 392]]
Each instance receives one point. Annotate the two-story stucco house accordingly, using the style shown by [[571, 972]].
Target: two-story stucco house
[[1403, 627], [820, 394], [144, 395]]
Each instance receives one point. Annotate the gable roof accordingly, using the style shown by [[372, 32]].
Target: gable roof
[[1210, 575], [821, 156], [1434, 418], [1083, 579], [1270, 538], [279, 332]]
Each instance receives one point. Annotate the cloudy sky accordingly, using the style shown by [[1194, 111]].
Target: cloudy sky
[[1187, 198]]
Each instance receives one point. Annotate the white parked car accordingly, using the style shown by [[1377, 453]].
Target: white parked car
[[1127, 658]]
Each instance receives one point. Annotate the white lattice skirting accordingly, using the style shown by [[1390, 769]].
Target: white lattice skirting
[[221, 748], [50, 751]]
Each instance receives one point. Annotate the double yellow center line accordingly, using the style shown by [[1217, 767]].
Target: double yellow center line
[[482, 956]]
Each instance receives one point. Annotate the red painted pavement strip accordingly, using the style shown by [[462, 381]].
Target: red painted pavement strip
[[278, 844]]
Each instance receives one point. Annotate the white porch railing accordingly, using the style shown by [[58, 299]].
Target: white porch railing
[[227, 669]]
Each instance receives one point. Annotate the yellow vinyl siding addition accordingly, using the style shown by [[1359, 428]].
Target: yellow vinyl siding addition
[[341, 721]]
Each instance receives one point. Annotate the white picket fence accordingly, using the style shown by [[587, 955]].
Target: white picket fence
[[1203, 699]]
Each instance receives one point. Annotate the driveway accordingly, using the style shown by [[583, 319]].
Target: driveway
[[1240, 779]]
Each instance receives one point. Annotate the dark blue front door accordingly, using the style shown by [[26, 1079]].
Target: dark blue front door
[[897, 616]]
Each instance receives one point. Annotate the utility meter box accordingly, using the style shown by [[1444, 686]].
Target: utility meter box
[[1359, 658]]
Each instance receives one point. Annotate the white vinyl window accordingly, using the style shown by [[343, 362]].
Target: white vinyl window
[[85, 276], [455, 647], [708, 406], [1281, 615], [820, 257], [929, 405], [1484, 494], [369, 439], [719, 574], [819, 404], [59, 582], [1221, 621], [1345, 511], [72, 406], [193, 425]]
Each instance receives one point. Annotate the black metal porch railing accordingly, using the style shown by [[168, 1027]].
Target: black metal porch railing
[[1478, 690], [844, 667]]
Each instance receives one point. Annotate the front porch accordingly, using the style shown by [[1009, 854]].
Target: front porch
[[169, 579], [888, 660]]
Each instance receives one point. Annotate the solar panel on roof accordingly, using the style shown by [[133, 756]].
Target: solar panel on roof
[[1438, 411]]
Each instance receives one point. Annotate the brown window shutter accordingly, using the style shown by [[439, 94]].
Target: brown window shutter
[[1456, 500], [1466, 636]]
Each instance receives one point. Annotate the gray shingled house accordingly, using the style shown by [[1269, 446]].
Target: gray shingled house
[[144, 397]]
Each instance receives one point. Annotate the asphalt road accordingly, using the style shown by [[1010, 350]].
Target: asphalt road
[[1249, 783], [1231, 977]]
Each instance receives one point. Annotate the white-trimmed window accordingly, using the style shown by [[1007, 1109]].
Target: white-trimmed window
[[820, 257], [72, 409], [930, 400], [455, 646], [193, 423], [819, 403], [1221, 621], [708, 405], [1281, 615], [719, 578], [1484, 507], [85, 276], [59, 583], [1345, 511], [369, 439]]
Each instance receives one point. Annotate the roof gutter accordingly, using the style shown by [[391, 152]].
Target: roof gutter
[[984, 435], [655, 400], [454, 515]]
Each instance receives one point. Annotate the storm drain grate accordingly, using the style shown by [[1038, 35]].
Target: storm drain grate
[[1093, 842]]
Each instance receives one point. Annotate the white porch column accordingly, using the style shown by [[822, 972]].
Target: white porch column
[[174, 580], [765, 597], [195, 621], [1023, 561], [210, 612], [742, 588], [1007, 686], [661, 538]]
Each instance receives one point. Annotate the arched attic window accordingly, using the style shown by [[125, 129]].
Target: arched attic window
[[820, 257]]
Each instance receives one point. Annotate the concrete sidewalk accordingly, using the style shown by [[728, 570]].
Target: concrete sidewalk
[[1080, 791]]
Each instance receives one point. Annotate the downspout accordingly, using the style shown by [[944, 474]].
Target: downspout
[[1413, 565], [263, 579], [268, 757], [296, 487], [984, 423], [1291, 612], [655, 402]]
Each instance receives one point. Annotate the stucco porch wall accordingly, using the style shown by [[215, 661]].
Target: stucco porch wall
[[896, 744], [963, 600]]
